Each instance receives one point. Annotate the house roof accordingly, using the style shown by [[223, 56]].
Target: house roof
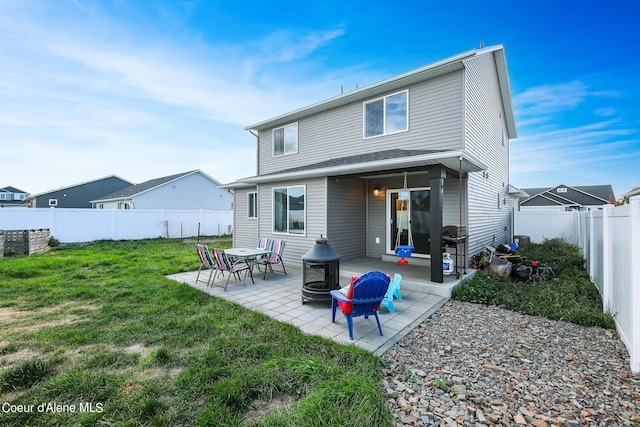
[[566, 195], [633, 192], [149, 185], [33, 196], [371, 162], [11, 189], [518, 192], [427, 72]]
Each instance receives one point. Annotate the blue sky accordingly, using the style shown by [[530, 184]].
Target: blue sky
[[143, 89]]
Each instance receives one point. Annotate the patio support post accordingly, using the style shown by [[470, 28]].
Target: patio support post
[[436, 181]]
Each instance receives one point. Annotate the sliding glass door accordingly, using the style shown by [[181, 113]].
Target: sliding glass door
[[408, 219]]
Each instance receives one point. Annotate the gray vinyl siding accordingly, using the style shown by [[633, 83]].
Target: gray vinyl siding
[[245, 230], [194, 191], [347, 216], [80, 196], [315, 217], [435, 122], [489, 217]]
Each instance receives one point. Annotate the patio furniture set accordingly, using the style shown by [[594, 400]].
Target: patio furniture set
[[238, 260], [364, 296]]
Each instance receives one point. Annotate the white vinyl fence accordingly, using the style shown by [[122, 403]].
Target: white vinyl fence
[[87, 225], [609, 239]]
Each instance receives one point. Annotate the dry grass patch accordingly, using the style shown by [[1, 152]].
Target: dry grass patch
[[9, 360], [140, 349], [67, 320], [8, 314], [33, 321], [261, 407]]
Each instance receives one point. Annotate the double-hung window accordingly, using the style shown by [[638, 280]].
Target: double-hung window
[[386, 115], [289, 210], [252, 205], [285, 140]]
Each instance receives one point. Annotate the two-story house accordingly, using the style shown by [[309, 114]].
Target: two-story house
[[408, 155], [77, 195], [12, 197]]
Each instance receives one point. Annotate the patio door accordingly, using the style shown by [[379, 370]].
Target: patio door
[[409, 208]]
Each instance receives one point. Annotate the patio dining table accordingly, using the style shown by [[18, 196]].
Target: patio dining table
[[250, 256]]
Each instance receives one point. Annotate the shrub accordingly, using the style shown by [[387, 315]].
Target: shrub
[[569, 296]]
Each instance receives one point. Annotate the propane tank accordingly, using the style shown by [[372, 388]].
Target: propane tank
[[447, 263]]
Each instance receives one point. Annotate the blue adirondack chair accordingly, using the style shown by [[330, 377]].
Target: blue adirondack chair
[[368, 291]]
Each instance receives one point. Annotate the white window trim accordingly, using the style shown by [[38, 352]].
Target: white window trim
[[53, 202], [249, 194], [273, 140], [288, 233], [384, 114]]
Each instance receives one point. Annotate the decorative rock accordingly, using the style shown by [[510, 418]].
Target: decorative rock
[[505, 368], [500, 267], [519, 419]]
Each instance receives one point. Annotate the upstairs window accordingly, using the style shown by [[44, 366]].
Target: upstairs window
[[285, 140], [252, 205], [386, 115]]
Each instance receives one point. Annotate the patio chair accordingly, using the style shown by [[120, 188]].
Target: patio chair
[[276, 247], [363, 298], [263, 243], [393, 291], [223, 264], [206, 263]]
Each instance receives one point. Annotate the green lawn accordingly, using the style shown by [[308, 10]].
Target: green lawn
[[96, 335]]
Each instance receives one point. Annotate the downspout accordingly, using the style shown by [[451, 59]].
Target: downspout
[[257, 152], [257, 191]]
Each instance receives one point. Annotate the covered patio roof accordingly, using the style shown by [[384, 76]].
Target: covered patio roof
[[371, 162]]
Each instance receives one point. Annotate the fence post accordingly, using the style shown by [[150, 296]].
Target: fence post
[[634, 350], [591, 246], [112, 223], [52, 221], [607, 259]]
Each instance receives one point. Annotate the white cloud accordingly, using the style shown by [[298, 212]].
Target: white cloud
[[87, 97], [548, 99]]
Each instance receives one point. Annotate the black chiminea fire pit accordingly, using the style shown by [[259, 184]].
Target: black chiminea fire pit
[[320, 272]]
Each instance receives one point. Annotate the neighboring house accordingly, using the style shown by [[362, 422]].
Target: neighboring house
[[565, 197], [78, 195], [437, 136], [634, 192], [12, 197], [188, 190]]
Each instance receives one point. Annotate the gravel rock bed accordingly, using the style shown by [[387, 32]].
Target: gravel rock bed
[[477, 365]]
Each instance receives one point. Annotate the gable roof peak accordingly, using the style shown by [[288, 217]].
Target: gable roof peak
[[435, 69]]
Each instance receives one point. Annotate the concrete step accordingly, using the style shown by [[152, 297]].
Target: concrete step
[[426, 262]]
